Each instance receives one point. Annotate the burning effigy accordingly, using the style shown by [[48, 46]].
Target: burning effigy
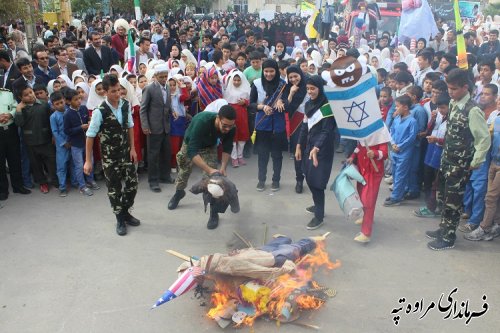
[[276, 281]]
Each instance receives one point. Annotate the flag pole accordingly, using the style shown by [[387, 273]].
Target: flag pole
[[137, 8], [461, 50]]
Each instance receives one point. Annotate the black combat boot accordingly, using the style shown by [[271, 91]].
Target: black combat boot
[[299, 186], [121, 227], [213, 221], [130, 220], [174, 202]]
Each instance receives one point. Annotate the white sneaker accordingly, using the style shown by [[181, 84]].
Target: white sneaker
[[173, 170], [388, 180]]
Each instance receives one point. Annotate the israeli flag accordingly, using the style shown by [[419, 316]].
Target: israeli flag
[[356, 109]]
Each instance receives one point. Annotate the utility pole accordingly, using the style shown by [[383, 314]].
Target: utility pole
[[31, 35]]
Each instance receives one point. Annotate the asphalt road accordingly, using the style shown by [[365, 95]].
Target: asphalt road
[[64, 269]]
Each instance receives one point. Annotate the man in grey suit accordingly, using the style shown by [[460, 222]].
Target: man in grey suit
[[156, 110]]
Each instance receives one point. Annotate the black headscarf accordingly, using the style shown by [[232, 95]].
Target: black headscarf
[[313, 105], [299, 96], [270, 86]]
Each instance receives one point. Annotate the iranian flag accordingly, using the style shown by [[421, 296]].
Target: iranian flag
[[131, 52], [323, 112]]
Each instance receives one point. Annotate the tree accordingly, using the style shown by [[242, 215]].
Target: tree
[[15, 9]]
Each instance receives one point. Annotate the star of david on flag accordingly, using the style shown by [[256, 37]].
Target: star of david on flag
[[357, 111]]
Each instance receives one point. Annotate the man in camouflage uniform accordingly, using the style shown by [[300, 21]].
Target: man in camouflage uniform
[[200, 147], [113, 121], [467, 142]]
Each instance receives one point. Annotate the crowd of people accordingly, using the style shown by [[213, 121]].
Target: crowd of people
[[82, 107]]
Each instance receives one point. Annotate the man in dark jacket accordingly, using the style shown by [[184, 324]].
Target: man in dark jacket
[[97, 58], [27, 78], [487, 51], [10, 70], [165, 44]]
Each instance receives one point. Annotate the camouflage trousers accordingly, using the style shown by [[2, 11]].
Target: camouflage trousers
[[452, 181], [120, 196], [185, 164]]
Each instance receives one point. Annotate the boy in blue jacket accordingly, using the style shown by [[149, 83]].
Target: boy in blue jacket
[[76, 123], [404, 134], [63, 148]]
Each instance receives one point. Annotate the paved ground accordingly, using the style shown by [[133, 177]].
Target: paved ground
[[63, 268]]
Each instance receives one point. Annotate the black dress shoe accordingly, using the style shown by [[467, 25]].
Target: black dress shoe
[[155, 188], [21, 190], [4, 196], [174, 202], [121, 227], [299, 187], [130, 220]]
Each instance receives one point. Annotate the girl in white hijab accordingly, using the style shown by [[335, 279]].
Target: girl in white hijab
[[297, 53], [52, 86], [80, 73], [97, 95], [128, 93], [237, 94], [83, 89], [188, 57], [316, 57], [116, 68], [67, 82]]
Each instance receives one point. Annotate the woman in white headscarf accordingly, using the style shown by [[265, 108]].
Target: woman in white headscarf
[[237, 94], [188, 57]]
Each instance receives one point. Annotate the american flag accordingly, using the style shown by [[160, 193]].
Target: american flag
[[183, 284]]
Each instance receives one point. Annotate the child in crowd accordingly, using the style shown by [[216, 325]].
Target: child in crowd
[[83, 89], [438, 87], [76, 123], [417, 164], [33, 117], [142, 81], [427, 86], [363, 156], [385, 101], [41, 92], [436, 131], [255, 70], [403, 133], [237, 94], [489, 227], [63, 148], [424, 60], [241, 62], [178, 94]]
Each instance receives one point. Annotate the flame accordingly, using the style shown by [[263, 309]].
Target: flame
[[307, 302], [288, 291], [219, 300]]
